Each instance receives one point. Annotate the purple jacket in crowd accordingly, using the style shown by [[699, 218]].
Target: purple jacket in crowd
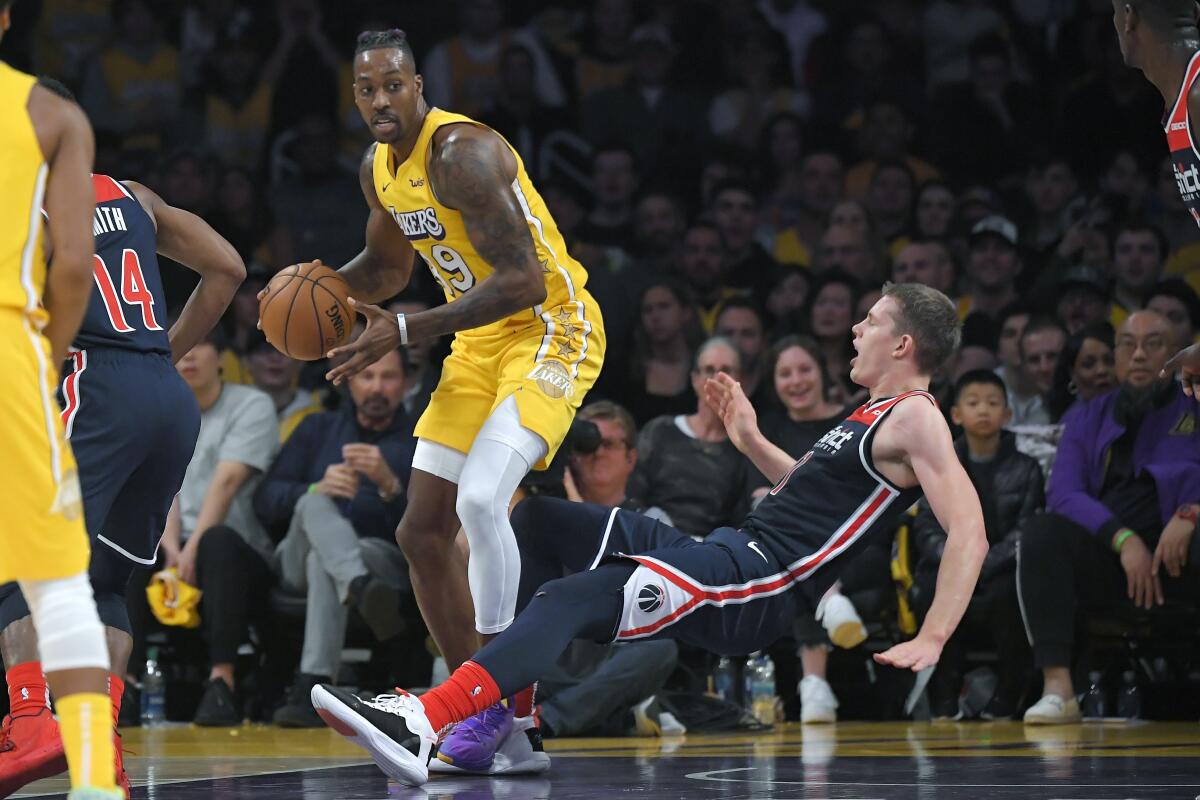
[[1167, 446]]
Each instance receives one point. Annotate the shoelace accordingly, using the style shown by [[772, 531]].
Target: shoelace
[[389, 703]]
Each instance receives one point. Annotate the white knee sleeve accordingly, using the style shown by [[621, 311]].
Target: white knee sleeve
[[501, 456], [70, 635]]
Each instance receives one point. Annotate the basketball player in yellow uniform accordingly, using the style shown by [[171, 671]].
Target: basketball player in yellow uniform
[[528, 344], [47, 146]]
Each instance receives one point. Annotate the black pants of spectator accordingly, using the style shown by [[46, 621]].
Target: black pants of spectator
[[592, 688], [1063, 571], [234, 579], [994, 616]]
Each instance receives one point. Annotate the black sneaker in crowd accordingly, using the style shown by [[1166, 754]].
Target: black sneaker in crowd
[[298, 711], [379, 606], [218, 708]]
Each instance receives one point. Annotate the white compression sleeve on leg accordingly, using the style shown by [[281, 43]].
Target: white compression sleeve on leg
[[70, 635], [501, 456]]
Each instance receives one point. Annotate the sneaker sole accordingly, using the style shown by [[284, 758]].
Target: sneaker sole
[[396, 762], [533, 762], [818, 720], [51, 761], [848, 635]]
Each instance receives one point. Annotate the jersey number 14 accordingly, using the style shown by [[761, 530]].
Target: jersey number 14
[[133, 291]]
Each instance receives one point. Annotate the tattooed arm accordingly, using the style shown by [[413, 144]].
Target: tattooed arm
[[471, 170], [384, 266]]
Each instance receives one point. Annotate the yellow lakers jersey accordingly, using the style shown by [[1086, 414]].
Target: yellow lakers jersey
[[438, 234], [23, 174]]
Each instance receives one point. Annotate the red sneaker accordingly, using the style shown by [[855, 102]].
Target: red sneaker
[[30, 749], [122, 778]]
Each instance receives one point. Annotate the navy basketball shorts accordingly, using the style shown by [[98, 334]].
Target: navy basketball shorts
[[726, 594], [132, 422]]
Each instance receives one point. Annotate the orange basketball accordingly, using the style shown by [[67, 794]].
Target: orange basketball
[[305, 313]]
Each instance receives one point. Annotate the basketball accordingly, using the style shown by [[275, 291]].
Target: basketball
[[305, 312]]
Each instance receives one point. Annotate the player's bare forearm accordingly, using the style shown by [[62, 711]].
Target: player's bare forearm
[[490, 300], [470, 173], [68, 289], [957, 575], [186, 238], [770, 460], [384, 266], [920, 434], [373, 280]]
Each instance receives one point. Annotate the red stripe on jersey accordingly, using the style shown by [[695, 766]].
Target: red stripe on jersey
[[867, 414], [107, 189], [71, 390], [762, 586]]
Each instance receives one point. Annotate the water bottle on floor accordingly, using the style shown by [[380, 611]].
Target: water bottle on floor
[[1129, 703], [725, 680], [760, 686], [1095, 705], [154, 692]]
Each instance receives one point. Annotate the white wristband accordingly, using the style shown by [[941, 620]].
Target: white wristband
[[403, 328]]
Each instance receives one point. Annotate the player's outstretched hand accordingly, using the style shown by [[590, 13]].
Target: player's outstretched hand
[[263, 293], [726, 397], [380, 338], [915, 654], [1187, 363]]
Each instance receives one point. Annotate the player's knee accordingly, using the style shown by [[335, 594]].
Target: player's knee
[[113, 610], [422, 546], [70, 635], [478, 501], [571, 590]]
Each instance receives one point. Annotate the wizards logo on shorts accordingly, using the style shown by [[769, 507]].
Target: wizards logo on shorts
[[650, 598]]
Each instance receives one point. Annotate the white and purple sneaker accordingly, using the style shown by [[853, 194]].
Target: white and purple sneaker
[[493, 742]]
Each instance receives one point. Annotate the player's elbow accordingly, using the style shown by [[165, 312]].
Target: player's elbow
[[526, 292], [233, 269]]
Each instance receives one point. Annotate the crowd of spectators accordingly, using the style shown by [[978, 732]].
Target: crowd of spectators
[[739, 178]]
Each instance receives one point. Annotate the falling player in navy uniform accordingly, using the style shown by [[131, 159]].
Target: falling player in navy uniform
[[739, 589], [132, 422], [1161, 39]]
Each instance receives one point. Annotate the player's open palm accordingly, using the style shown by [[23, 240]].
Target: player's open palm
[[726, 397], [915, 654], [381, 337]]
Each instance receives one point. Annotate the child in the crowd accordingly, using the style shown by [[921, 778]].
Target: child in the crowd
[[1011, 490]]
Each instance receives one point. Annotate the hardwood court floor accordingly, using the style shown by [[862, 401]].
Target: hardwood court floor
[[917, 761]]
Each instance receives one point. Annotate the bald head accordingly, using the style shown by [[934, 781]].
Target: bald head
[[1142, 348]]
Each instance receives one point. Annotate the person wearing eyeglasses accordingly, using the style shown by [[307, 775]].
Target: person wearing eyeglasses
[[686, 464], [1122, 506]]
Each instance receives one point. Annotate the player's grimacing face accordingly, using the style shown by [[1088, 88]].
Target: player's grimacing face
[[387, 92]]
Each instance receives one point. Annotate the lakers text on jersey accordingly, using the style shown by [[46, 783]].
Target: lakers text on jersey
[[547, 356]]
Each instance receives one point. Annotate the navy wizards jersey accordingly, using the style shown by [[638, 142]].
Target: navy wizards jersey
[[1185, 160], [127, 309], [833, 497]]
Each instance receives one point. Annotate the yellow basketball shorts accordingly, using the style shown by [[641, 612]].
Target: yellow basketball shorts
[[42, 536], [547, 368]]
